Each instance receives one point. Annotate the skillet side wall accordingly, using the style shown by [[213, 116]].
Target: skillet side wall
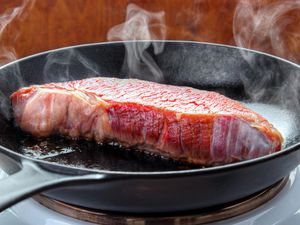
[[178, 193], [205, 66]]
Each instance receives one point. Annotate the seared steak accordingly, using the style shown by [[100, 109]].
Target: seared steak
[[181, 123]]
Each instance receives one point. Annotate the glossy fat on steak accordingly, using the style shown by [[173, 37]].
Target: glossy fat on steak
[[181, 123]]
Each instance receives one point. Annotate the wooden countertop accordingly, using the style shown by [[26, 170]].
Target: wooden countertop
[[52, 24]]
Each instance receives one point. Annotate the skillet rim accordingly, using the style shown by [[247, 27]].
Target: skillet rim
[[189, 172]]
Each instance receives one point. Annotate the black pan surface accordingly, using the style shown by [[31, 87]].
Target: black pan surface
[[264, 83]]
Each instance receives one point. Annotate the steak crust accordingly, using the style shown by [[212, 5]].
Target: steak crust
[[181, 123]]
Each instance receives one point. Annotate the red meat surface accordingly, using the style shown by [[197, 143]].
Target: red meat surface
[[181, 123]]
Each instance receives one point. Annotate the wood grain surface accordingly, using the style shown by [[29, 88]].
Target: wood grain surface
[[49, 24]]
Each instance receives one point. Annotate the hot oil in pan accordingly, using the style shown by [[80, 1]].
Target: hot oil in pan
[[88, 154]]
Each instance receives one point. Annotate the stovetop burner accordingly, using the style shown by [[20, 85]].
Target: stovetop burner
[[194, 217]]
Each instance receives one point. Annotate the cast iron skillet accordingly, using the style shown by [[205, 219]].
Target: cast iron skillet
[[107, 178]]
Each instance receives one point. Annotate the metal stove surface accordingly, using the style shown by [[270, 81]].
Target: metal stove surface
[[284, 209]]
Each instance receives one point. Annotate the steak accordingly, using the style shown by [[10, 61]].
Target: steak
[[181, 123]]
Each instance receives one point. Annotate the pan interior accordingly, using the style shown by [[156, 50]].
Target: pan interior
[[88, 154]]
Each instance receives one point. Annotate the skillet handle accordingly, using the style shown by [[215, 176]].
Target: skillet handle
[[32, 179]]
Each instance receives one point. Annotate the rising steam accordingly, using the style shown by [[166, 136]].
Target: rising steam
[[7, 52], [58, 66], [141, 25], [266, 27]]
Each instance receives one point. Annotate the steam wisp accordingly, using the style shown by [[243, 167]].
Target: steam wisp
[[8, 53], [141, 25], [58, 66], [265, 27]]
